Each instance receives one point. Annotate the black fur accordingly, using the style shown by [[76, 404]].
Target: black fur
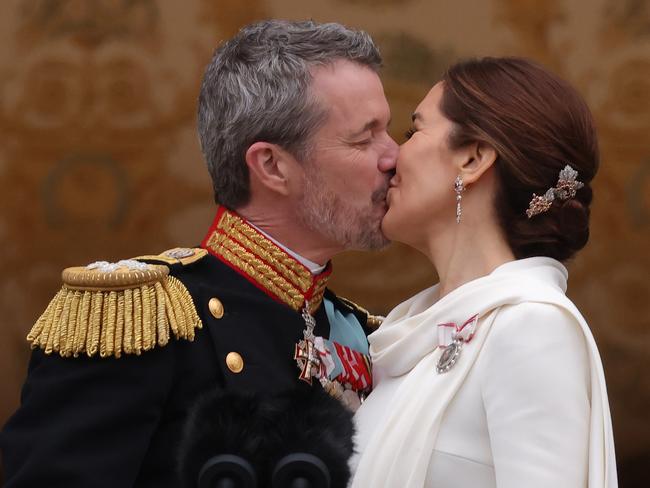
[[263, 429]]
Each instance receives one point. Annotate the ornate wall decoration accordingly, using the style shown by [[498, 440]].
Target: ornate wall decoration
[[374, 3], [531, 22], [230, 15], [638, 192], [89, 23], [626, 20]]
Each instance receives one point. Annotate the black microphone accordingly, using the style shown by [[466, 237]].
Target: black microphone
[[297, 439]]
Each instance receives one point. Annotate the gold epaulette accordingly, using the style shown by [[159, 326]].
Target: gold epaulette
[[372, 321], [114, 309]]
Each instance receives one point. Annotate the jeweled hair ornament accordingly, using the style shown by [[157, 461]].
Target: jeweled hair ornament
[[565, 189]]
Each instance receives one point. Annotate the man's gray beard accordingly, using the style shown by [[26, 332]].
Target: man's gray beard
[[325, 212]]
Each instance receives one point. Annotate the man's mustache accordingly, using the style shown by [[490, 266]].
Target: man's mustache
[[379, 195]]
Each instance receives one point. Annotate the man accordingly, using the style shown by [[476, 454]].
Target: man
[[293, 125]]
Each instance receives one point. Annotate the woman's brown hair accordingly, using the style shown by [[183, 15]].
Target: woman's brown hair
[[537, 123]]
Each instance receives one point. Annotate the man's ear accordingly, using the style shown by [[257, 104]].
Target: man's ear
[[269, 165], [475, 160]]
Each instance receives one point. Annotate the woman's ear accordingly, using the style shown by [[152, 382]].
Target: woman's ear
[[268, 164], [477, 159]]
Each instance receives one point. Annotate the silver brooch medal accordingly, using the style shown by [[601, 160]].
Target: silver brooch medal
[[452, 337]]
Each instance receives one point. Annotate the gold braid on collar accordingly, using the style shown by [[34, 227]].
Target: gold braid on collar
[[269, 267]]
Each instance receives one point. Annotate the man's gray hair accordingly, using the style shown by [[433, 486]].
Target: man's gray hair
[[257, 88]]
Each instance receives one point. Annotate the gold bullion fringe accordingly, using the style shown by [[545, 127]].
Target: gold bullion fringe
[[115, 322]]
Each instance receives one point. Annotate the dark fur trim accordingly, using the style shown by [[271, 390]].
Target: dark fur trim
[[263, 429]]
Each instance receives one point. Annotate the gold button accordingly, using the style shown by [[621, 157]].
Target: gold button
[[234, 362], [216, 308], [374, 321]]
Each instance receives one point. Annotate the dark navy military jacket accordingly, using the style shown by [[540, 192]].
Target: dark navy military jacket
[[116, 422]]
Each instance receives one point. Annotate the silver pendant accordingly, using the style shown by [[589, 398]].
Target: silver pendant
[[449, 356]]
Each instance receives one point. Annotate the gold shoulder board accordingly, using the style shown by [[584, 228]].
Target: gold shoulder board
[[182, 255], [114, 309], [373, 321]]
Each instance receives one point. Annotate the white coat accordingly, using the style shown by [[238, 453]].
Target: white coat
[[525, 404]]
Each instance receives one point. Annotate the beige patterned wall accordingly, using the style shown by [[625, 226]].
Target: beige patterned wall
[[99, 157]]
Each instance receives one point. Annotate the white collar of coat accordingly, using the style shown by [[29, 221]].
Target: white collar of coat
[[409, 332]]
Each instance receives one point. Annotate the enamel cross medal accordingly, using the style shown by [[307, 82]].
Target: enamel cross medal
[[305, 353]]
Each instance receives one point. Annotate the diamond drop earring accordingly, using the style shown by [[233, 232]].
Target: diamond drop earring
[[459, 188]]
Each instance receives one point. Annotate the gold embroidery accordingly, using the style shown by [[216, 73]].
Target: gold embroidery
[[263, 274], [267, 276], [270, 249], [317, 295], [246, 249], [250, 238], [303, 282], [267, 250]]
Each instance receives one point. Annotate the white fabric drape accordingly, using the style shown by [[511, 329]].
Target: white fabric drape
[[398, 450]]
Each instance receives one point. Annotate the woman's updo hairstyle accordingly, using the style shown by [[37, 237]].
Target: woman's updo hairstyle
[[537, 123]]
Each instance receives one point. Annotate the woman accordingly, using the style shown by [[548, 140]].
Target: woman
[[491, 378]]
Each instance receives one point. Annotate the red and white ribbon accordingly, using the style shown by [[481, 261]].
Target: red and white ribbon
[[451, 331]]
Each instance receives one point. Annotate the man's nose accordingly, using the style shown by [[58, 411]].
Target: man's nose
[[388, 159]]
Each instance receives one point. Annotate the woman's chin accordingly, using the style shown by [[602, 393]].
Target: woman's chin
[[390, 227], [399, 226]]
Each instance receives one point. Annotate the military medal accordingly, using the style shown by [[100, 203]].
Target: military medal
[[342, 371], [305, 353], [451, 338], [317, 357], [449, 356]]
